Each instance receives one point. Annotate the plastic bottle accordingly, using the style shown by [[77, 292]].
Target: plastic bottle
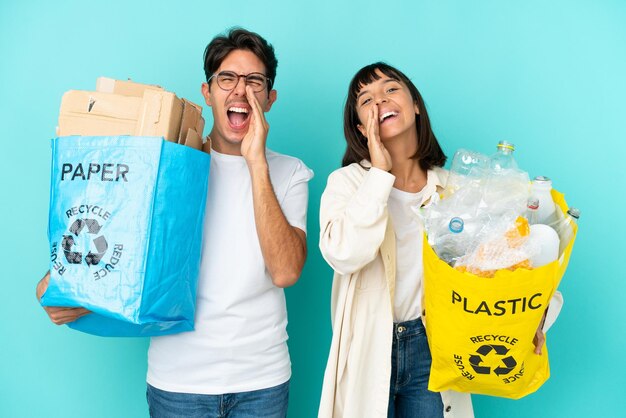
[[574, 213], [546, 238], [507, 188], [531, 212], [456, 225], [503, 158], [451, 245], [565, 228], [540, 189], [467, 166]]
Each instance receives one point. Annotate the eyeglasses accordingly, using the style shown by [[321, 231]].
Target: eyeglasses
[[228, 80]]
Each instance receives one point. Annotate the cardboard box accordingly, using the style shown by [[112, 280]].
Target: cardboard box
[[127, 108]]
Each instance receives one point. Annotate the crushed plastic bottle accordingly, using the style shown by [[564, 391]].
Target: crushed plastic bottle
[[478, 193], [451, 244], [504, 244], [491, 218], [467, 167]]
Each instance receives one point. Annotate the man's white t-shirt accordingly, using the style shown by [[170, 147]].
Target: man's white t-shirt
[[240, 340]]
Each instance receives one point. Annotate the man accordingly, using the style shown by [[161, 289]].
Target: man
[[236, 362]]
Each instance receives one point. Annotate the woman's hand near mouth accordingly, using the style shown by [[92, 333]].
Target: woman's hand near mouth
[[253, 143], [379, 156]]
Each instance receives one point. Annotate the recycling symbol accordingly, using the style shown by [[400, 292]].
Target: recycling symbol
[[99, 242], [506, 366]]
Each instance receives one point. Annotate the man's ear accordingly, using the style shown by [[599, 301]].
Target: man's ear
[[206, 93], [362, 129], [270, 100]]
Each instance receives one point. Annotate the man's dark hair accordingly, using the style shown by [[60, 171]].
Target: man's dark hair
[[429, 152], [239, 38]]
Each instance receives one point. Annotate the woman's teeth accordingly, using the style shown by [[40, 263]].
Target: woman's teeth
[[386, 115]]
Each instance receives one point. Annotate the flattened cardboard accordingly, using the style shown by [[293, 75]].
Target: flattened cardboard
[[119, 107], [94, 113], [124, 87], [200, 126], [192, 113], [157, 113], [206, 147], [193, 140], [160, 115]]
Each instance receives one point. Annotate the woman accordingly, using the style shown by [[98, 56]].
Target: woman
[[379, 359]]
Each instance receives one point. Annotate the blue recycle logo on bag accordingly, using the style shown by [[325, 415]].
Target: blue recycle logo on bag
[[125, 230]]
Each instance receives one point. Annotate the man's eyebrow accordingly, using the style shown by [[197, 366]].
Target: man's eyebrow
[[389, 80]]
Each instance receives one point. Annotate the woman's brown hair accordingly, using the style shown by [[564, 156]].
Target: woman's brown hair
[[429, 152]]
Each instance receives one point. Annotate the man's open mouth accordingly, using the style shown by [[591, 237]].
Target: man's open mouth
[[237, 116]]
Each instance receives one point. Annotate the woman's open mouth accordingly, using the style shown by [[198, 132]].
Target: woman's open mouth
[[387, 116]]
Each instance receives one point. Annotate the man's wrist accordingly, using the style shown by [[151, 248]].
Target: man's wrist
[[259, 166]]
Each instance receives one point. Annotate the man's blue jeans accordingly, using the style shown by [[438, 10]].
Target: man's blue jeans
[[264, 403], [409, 396]]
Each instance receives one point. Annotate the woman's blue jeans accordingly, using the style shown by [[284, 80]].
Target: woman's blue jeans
[[409, 396]]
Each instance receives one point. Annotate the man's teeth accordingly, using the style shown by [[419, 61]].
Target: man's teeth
[[386, 115], [238, 109]]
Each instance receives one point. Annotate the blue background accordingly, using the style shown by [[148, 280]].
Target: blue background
[[548, 76]]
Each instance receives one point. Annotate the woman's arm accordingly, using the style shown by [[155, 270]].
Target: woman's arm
[[353, 217]]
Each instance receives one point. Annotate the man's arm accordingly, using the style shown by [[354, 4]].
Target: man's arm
[[58, 315], [282, 245]]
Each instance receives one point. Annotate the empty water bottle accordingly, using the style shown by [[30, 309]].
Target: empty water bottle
[[565, 228], [540, 189], [458, 238], [503, 158], [507, 187], [531, 212], [467, 166]]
